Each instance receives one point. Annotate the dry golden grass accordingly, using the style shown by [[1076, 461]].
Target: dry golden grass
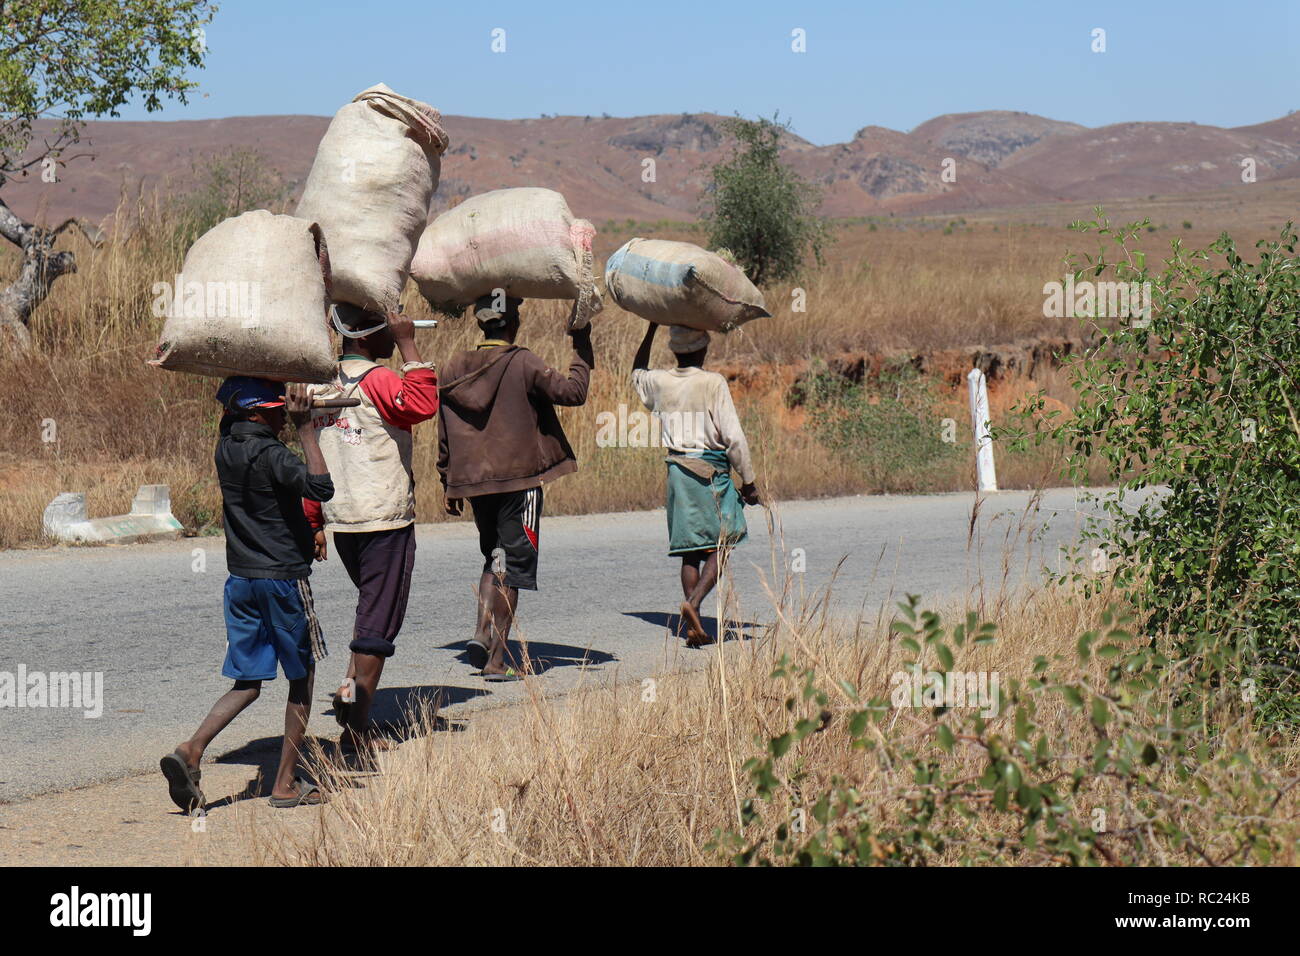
[[644, 774], [120, 424]]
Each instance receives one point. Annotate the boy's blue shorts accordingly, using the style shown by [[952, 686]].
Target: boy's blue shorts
[[268, 619]]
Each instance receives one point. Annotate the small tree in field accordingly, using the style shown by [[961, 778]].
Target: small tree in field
[[761, 210], [228, 184], [65, 62]]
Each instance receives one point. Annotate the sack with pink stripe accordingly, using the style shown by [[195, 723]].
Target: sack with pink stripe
[[525, 241]]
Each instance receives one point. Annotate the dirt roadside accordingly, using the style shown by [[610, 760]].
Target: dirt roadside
[[132, 822]]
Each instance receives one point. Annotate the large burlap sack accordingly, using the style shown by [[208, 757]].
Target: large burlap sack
[[525, 241], [678, 283], [375, 173], [252, 299]]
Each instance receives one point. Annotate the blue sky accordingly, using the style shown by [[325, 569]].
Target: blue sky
[[892, 64]]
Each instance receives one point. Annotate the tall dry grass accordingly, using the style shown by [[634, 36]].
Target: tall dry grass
[[646, 774], [118, 423], [906, 285]]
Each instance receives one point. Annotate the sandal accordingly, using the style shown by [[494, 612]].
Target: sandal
[[309, 795], [182, 781]]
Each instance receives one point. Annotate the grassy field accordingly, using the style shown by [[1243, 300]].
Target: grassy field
[[917, 284]]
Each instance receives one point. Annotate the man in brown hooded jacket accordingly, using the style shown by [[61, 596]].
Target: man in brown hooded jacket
[[499, 442]]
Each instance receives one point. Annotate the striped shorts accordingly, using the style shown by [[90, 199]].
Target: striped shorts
[[270, 621], [509, 532]]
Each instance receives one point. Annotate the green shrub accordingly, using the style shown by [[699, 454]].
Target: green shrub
[[889, 428], [762, 210], [1030, 799], [1198, 402]]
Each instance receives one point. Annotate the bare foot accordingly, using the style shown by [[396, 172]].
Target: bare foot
[[188, 755], [347, 692], [696, 635], [344, 698]]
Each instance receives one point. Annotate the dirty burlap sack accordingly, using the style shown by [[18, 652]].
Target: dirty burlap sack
[[524, 240], [252, 299], [370, 186], [678, 283]]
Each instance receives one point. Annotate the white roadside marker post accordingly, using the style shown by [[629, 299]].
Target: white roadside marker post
[[986, 478]]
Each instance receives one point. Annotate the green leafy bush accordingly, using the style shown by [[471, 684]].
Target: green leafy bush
[[1005, 788], [888, 427], [761, 210], [1198, 402]]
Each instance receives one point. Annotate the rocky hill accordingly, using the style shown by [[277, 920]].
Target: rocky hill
[[992, 159]]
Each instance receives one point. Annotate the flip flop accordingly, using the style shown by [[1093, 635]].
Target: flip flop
[[510, 675], [182, 781], [306, 791], [477, 653]]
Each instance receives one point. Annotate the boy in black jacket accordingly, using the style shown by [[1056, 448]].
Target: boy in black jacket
[[268, 605]]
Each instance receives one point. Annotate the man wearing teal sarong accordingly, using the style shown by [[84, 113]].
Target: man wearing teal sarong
[[701, 432]]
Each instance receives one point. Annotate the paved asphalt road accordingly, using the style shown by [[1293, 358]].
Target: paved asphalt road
[[152, 624]]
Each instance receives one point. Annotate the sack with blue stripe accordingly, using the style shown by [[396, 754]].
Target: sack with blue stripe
[[678, 283]]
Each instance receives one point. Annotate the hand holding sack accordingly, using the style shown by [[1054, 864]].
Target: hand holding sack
[[525, 241], [678, 283], [370, 187], [252, 299]]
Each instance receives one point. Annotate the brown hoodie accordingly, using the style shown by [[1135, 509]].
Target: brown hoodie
[[497, 427]]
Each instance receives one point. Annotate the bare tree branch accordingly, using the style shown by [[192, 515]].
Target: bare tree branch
[[41, 266], [95, 237]]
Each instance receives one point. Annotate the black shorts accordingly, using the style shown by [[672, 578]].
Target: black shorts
[[509, 523], [380, 565]]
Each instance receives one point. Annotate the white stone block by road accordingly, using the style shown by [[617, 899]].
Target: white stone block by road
[[151, 519]]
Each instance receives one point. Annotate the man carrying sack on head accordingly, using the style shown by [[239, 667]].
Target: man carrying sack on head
[[499, 441], [372, 514], [700, 430]]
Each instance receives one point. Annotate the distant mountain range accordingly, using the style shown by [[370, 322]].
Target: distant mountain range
[[995, 158]]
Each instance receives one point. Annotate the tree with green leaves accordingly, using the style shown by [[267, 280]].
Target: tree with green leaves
[[761, 210], [1194, 409], [61, 63]]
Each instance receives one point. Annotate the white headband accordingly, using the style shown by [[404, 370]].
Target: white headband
[[352, 333]]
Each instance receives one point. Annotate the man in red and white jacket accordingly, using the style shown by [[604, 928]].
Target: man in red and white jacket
[[372, 514]]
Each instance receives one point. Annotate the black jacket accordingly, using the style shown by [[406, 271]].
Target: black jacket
[[262, 487]]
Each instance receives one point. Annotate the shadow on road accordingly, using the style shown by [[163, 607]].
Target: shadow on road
[[393, 706], [543, 656], [394, 713], [735, 630]]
